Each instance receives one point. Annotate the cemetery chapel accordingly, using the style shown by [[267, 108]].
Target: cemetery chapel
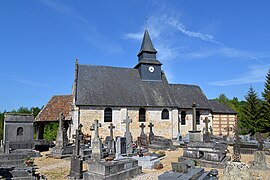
[[142, 93]]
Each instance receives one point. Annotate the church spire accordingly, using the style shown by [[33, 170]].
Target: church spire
[[147, 46]]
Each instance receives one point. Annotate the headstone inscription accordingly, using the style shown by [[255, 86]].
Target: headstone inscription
[[111, 144], [143, 136], [128, 136], [96, 144], [76, 164], [151, 133]]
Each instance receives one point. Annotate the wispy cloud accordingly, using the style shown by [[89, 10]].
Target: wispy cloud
[[255, 74], [89, 32], [172, 21]]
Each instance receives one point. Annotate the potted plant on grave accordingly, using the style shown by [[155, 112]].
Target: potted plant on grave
[[29, 161]]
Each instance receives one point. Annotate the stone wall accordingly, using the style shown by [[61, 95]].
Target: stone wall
[[168, 128]]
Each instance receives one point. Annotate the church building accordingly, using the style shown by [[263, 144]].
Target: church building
[[111, 94]]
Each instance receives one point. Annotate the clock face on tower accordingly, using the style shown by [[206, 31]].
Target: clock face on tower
[[151, 69]]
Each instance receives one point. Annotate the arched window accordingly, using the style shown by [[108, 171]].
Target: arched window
[[108, 115], [183, 117], [165, 114], [142, 115], [198, 117], [19, 131]]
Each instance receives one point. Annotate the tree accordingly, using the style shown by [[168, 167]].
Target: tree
[[266, 98], [252, 120]]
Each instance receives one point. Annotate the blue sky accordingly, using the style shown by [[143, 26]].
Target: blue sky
[[222, 46]]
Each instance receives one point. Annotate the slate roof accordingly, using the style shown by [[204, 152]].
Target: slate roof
[[115, 86], [147, 45], [56, 105], [184, 96], [218, 107]]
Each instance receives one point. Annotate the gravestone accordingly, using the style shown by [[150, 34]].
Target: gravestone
[[96, 144], [18, 131], [61, 149], [186, 170], [128, 136], [151, 133], [121, 147], [111, 144], [206, 135], [194, 134], [236, 171], [76, 164], [143, 137], [259, 161]]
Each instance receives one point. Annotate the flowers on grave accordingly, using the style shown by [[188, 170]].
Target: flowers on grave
[[29, 161]]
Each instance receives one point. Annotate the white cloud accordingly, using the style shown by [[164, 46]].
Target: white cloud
[[255, 74], [182, 28]]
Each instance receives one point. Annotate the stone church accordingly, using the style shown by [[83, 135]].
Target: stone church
[[142, 93]]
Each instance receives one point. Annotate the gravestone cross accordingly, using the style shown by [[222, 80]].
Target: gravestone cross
[[128, 135], [143, 136], [236, 147], [151, 133], [111, 141], [61, 138], [95, 141], [207, 136], [142, 126]]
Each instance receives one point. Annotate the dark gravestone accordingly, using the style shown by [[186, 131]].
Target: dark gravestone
[[206, 135], [76, 165], [151, 133], [143, 137], [18, 131]]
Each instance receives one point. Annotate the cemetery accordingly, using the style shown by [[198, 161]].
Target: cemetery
[[131, 123]]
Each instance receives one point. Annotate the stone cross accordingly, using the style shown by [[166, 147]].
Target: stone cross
[[78, 139], [128, 135], [151, 134], [142, 126], [127, 121], [236, 147], [194, 126], [96, 144], [206, 121], [111, 142], [95, 127]]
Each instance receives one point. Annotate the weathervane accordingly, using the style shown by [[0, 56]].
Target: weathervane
[[146, 18]]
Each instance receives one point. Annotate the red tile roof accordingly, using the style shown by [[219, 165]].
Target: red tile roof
[[56, 105]]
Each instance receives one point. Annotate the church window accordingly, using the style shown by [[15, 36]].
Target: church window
[[108, 115], [19, 131], [198, 117], [183, 117], [165, 114], [142, 115]]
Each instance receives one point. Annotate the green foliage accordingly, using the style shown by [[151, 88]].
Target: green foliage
[[252, 120], [50, 130], [266, 98], [1, 125]]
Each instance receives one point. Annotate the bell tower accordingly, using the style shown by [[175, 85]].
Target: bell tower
[[148, 66]]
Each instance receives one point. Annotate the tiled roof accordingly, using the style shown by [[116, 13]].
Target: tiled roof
[[56, 105]]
